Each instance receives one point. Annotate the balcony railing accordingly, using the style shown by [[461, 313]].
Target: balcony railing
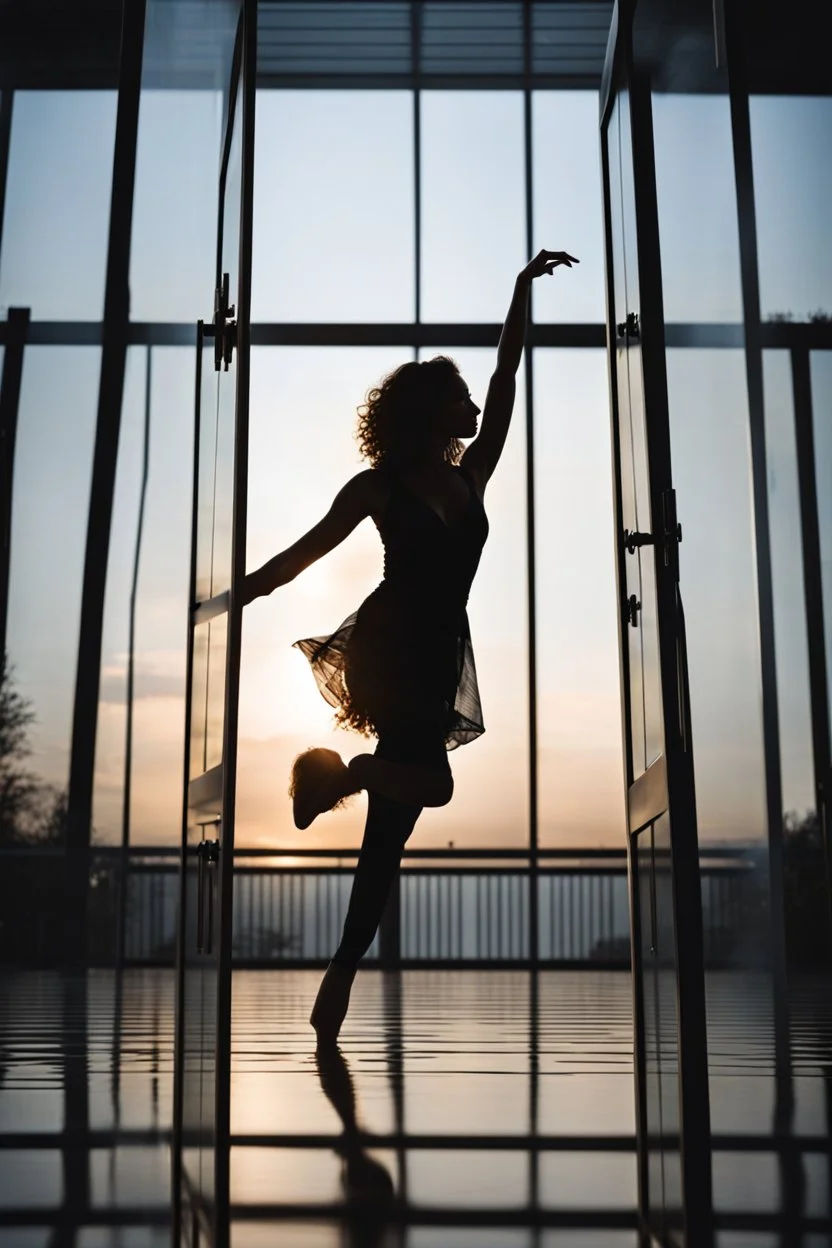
[[450, 911]]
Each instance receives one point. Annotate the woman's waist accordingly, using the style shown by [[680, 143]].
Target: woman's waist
[[430, 602]]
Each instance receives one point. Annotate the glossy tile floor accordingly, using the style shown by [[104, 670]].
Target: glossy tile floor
[[468, 1109]]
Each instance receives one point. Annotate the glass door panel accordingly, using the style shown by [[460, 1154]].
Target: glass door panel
[[664, 881], [201, 1140]]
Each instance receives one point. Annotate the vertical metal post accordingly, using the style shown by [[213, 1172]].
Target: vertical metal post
[[749, 277], [17, 330], [531, 607], [6, 108], [183, 916], [531, 604], [222, 1098], [111, 392], [416, 67], [813, 591], [389, 932]]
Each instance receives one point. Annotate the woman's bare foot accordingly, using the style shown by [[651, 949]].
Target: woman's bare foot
[[331, 1003], [320, 781]]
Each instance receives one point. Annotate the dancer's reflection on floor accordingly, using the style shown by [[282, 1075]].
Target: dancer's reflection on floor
[[368, 1187]]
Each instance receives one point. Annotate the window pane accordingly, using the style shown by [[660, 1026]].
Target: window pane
[[473, 203], [711, 473], [791, 647], [108, 790], [791, 141], [173, 255], [568, 213], [160, 629], [333, 206], [50, 502], [697, 201], [161, 608], [302, 451], [580, 764], [296, 467], [490, 805], [57, 214]]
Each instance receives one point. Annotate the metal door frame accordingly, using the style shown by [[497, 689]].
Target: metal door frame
[[242, 74], [671, 774]]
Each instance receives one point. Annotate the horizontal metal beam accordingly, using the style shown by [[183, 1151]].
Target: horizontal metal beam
[[738, 856], [805, 335]]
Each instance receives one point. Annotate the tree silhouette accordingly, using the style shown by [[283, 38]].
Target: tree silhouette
[[32, 816], [31, 811], [806, 900]]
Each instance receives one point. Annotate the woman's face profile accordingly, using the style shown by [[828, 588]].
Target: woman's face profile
[[458, 414]]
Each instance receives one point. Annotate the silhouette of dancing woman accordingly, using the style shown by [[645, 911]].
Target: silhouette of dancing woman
[[402, 668]]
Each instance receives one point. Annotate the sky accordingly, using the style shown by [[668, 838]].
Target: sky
[[333, 242]]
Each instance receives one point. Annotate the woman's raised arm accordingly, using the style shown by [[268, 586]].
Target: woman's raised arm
[[359, 498], [482, 455]]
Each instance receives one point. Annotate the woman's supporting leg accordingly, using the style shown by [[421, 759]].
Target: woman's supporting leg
[[389, 824]]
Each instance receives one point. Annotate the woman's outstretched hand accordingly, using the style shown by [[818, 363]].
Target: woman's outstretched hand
[[547, 262]]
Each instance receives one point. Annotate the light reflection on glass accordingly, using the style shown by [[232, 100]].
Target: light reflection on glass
[[791, 648], [700, 282], [580, 767], [790, 145], [709, 435]]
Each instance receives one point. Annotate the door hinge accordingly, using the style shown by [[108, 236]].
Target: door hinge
[[633, 608], [629, 330], [671, 531], [225, 326]]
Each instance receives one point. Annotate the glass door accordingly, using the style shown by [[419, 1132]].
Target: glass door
[[665, 906], [201, 1124]]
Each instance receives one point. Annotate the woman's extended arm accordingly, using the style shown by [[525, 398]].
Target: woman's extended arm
[[482, 455], [358, 498]]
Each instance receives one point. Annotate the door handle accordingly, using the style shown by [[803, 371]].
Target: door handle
[[212, 857], [200, 896], [207, 856]]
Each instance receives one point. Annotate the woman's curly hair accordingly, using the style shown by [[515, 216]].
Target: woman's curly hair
[[393, 419]]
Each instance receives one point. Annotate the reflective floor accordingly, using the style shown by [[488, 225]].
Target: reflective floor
[[465, 1108]]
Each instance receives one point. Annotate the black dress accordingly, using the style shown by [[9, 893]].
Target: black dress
[[402, 666]]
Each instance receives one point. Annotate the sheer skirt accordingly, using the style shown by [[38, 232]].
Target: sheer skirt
[[397, 666]]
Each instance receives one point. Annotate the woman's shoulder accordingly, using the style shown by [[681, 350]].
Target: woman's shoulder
[[372, 486]]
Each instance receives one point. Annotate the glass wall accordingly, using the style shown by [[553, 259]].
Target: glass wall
[[376, 211], [337, 246]]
